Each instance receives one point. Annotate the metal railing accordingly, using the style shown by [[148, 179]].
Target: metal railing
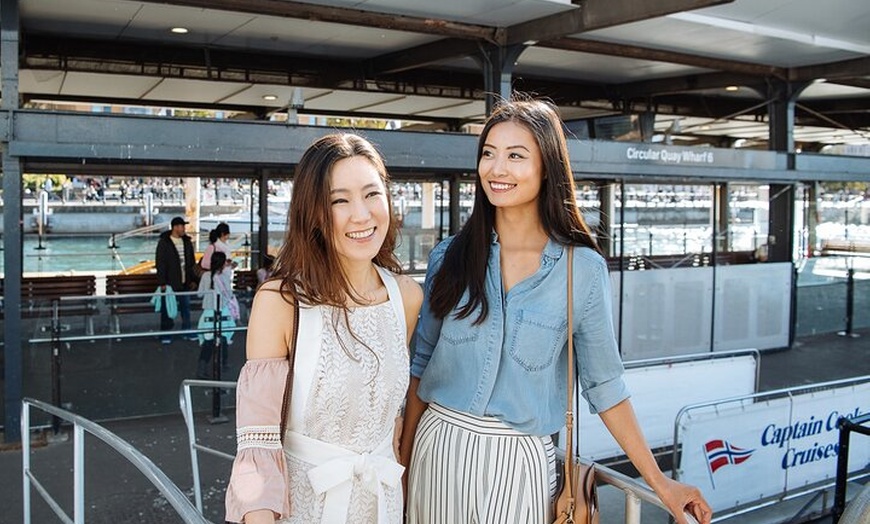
[[635, 492], [167, 488], [846, 426], [815, 488], [186, 404]]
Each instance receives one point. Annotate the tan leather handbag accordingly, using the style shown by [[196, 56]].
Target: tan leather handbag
[[577, 503]]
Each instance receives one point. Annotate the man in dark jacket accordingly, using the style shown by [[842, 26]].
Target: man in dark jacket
[[174, 260]]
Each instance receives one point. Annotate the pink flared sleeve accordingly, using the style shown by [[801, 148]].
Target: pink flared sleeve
[[259, 476]]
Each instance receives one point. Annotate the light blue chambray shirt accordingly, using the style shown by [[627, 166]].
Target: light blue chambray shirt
[[513, 366]]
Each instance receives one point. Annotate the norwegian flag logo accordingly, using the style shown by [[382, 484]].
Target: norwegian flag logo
[[721, 453]]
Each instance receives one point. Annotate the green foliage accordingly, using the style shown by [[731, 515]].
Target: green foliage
[[357, 123], [36, 182]]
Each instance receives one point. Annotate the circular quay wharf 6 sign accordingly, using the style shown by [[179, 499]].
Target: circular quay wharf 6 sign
[[670, 156], [744, 451]]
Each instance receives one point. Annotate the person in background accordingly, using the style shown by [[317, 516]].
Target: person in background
[[216, 286], [265, 271], [487, 387], [217, 241], [355, 317], [174, 261]]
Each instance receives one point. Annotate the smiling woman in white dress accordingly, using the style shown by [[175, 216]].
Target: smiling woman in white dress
[[338, 462]]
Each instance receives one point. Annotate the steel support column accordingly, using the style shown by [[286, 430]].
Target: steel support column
[[455, 208], [781, 104], [12, 246], [604, 229], [263, 212], [498, 63]]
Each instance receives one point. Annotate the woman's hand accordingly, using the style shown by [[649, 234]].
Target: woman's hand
[[681, 498]]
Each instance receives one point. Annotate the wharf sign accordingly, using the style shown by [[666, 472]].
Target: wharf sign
[[746, 450], [670, 156]]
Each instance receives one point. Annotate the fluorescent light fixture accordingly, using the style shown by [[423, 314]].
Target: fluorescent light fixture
[[179, 30], [732, 88], [270, 98]]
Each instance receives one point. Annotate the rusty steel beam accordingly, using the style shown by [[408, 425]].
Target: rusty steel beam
[[845, 69], [342, 15]]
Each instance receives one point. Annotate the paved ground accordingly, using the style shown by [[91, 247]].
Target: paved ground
[[117, 492]]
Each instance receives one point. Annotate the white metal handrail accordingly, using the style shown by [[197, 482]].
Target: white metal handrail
[[158, 478], [186, 406], [635, 492]]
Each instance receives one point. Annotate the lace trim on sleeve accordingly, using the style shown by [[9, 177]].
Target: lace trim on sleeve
[[259, 437]]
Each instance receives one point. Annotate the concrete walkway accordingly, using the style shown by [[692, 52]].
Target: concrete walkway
[[117, 492]]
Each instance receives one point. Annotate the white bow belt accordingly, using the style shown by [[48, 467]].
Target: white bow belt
[[336, 468]]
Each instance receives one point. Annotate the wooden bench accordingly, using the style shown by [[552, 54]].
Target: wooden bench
[[132, 284], [845, 247], [141, 284], [39, 293], [245, 285]]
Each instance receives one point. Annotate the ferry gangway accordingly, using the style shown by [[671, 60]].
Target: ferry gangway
[[635, 493], [81, 425]]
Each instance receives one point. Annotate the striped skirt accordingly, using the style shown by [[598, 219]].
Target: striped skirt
[[467, 469]]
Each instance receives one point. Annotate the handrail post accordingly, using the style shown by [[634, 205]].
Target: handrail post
[[850, 303], [842, 471], [55, 362], [632, 508], [25, 458], [187, 413], [78, 474]]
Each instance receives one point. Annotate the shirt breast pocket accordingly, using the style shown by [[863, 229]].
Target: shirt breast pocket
[[459, 332], [537, 339]]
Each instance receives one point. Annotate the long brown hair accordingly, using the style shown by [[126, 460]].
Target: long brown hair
[[465, 262], [307, 264]]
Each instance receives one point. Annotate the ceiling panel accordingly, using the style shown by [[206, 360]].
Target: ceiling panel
[[94, 18], [681, 36], [253, 96], [109, 86], [465, 111], [182, 90], [846, 20], [206, 26], [38, 81]]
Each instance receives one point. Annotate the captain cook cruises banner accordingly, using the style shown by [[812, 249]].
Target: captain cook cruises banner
[[747, 450]]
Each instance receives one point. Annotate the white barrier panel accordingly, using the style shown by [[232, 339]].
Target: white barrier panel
[[659, 392], [753, 306], [666, 312], [669, 312], [743, 451]]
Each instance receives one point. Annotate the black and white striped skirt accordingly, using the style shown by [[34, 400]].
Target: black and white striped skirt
[[467, 469]]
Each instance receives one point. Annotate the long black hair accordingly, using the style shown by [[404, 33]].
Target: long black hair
[[465, 262], [220, 230]]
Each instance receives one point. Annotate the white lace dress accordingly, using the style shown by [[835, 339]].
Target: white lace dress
[[355, 394], [337, 463]]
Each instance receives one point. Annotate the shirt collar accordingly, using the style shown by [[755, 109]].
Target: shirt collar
[[553, 250]]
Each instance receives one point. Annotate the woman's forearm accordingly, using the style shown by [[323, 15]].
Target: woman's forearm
[[414, 408], [622, 424]]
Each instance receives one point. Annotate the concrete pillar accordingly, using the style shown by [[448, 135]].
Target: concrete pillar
[[427, 218]]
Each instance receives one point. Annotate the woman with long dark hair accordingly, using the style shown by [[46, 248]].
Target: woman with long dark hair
[[337, 460], [487, 384]]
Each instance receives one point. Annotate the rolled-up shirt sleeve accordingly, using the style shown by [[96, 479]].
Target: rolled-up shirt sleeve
[[259, 475], [595, 345], [428, 326]]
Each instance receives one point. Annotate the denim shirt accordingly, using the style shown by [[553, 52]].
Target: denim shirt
[[513, 366]]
